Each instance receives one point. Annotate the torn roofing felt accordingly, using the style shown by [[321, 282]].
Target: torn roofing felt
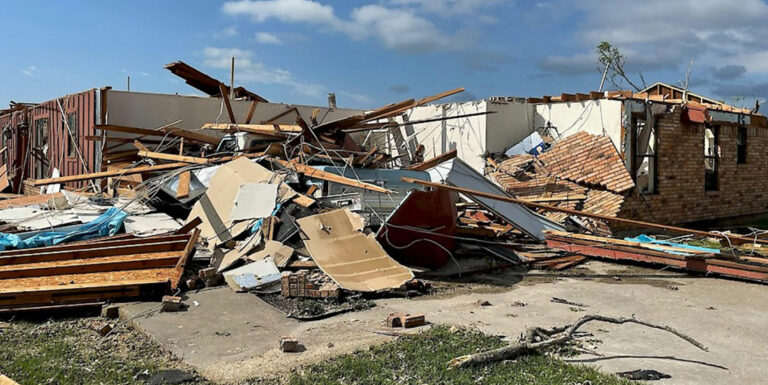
[[352, 259], [523, 219]]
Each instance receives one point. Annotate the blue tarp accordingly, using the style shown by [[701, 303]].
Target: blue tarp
[[257, 225], [642, 238], [108, 223]]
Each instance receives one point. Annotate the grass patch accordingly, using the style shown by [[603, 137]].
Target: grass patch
[[71, 352], [422, 359]]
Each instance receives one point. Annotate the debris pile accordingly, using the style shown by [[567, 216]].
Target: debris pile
[[317, 211]]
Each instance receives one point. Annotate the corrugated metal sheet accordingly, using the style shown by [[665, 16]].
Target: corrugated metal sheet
[[46, 125]]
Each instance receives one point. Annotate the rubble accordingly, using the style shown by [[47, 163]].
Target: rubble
[[325, 206]]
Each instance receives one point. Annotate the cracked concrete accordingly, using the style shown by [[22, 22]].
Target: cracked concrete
[[230, 337]]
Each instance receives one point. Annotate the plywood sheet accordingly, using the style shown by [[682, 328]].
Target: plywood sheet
[[353, 260], [63, 282]]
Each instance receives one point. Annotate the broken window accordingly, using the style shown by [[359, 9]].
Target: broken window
[[711, 157], [73, 137], [644, 162], [741, 146], [40, 150]]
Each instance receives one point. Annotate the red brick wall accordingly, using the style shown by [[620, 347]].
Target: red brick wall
[[681, 198]]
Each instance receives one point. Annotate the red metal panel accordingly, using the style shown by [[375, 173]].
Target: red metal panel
[[83, 105]]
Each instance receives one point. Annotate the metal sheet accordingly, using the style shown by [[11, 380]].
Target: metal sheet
[[462, 175]]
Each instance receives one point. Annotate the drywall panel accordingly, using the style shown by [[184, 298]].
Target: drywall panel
[[593, 116], [466, 135], [510, 123]]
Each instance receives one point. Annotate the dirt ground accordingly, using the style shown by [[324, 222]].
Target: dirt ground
[[231, 337]]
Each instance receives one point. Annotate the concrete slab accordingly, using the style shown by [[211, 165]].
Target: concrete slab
[[230, 337]]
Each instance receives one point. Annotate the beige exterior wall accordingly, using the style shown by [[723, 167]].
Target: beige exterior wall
[[510, 123], [146, 110]]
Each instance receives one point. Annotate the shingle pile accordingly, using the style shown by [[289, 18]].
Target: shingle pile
[[583, 171]]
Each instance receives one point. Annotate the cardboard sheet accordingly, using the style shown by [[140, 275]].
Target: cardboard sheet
[[279, 252], [215, 206], [353, 260]]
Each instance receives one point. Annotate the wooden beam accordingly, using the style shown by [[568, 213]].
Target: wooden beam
[[191, 225], [140, 146], [251, 111], [106, 174], [173, 157], [582, 97], [269, 129], [330, 177], [639, 224], [137, 262], [182, 191], [568, 97], [594, 95], [432, 162], [95, 250], [225, 96]]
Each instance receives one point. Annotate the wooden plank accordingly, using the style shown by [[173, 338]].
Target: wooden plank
[[19, 309], [327, 176], [4, 183], [173, 157], [189, 249], [640, 224], [29, 200], [93, 250], [432, 162], [106, 174], [182, 191], [265, 129], [189, 226], [251, 111], [225, 97], [303, 200], [558, 198], [140, 146], [93, 265]]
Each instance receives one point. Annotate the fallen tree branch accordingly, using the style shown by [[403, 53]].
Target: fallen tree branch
[[537, 339]]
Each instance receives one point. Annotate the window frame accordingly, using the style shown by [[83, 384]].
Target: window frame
[[712, 183], [742, 135], [637, 157], [72, 134]]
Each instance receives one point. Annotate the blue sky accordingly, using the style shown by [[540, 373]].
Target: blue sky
[[372, 52]]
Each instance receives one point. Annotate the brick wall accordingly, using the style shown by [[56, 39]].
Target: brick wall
[[681, 198]]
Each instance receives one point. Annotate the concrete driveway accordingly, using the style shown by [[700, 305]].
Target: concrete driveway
[[230, 337]]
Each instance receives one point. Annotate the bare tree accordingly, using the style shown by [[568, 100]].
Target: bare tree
[[613, 60]]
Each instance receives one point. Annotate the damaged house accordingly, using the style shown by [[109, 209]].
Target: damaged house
[[94, 130], [663, 155]]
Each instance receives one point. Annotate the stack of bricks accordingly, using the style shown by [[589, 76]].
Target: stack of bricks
[[309, 285]]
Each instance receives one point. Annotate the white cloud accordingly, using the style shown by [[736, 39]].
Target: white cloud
[[226, 32], [447, 8], [656, 34], [267, 38], [247, 70], [30, 71], [399, 29]]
